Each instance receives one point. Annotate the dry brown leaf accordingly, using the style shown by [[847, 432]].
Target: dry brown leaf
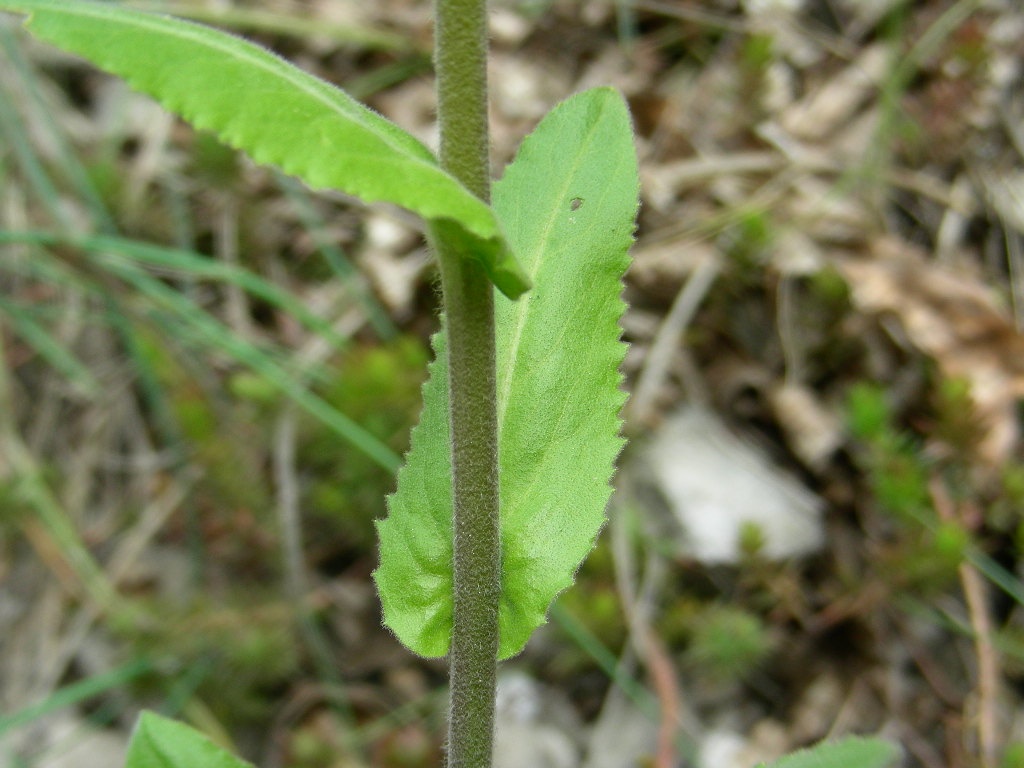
[[659, 268], [814, 430], [394, 271], [951, 316], [835, 103]]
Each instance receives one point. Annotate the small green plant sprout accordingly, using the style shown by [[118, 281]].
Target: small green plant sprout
[[728, 643]]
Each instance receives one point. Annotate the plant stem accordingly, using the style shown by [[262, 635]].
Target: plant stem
[[460, 58], [476, 567], [461, 62]]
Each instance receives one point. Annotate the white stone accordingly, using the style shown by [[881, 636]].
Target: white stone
[[717, 484]]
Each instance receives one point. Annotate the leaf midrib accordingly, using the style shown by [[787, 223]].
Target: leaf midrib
[[522, 310], [528, 489]]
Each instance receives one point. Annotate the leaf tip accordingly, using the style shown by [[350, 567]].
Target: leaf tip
[[513, 283]]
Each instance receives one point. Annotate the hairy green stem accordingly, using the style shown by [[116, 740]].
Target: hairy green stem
[[476, 568], [460, 59], [461, 62]]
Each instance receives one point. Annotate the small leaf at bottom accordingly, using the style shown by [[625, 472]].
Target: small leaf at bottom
[[851, 752], [158, 742]]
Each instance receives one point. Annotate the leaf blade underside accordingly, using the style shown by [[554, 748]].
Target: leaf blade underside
[[158, 742], [568, 204], [573, 214], [277, 113], [850, 752]]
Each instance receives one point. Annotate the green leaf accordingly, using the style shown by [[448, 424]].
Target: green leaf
[[414, 579], [568, 204], [280, 115], [852, 752], [161, 743]]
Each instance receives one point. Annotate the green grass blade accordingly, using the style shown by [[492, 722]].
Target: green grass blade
[[336, 259], [14, 135], [189, 264], [50, 269], [69, 163], [215, 334], [279, 114], [568, 203], [48, 348], [590, 644], [31, 492], [72, 694], [32, 496]]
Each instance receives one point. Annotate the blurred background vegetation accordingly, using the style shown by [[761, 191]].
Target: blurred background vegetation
[[208, 374]]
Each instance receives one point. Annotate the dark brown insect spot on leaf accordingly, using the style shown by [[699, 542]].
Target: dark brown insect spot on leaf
[[576, 203]]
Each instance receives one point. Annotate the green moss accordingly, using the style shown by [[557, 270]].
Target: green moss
[[867, 412], [956, 417], [216, 163], [595, 598], [247, 648], [254, 388], [727, 642], [758, 53], [900, 484], [830, 288], [226, 438], [107, 178], [379, 387], [749, 241], [927, 563], [896, 467], [751, 540], [308, 749]]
